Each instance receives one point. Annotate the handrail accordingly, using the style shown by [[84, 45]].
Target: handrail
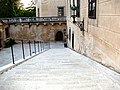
[[33, 19], [38, 47]]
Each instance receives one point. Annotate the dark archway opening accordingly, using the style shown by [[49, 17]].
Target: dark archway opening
[[7, 32], [59, 36]]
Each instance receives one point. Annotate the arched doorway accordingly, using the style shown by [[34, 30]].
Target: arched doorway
[[59, 36], [7, 32]]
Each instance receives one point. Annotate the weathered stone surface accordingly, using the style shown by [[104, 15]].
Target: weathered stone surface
[[58, 69], [101, 39], [49, 8], [2, 33], [39, 32]]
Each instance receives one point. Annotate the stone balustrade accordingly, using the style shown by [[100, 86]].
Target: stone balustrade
[[33, 19]]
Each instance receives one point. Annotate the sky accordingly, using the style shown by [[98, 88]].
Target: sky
[[26, 2]]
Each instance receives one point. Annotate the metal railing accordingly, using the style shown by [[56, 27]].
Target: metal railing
[[33, 19], [33, 48]]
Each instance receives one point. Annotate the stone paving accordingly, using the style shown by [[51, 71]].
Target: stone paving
[[56, 69]]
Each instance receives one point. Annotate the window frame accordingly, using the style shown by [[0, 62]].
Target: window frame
[[92, 9], [77, 5], [70, 34], [78, 9], [60, 11], [38, 12]]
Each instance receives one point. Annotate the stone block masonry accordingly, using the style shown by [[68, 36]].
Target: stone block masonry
[[41, 31]]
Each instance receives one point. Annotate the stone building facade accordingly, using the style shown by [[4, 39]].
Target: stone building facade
[[100, 39], [38, 31], [92, 27], [50, 8], [48, 30]]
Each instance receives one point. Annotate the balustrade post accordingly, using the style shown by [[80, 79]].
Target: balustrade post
[[49, 44], [23, 49], [30, 48], [41, 46], [38, 47], [13, 59], [35, 46]]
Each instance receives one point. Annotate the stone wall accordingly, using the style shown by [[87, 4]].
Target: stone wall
[[101, 38], [48, 8], [41, 31], [2, 34]]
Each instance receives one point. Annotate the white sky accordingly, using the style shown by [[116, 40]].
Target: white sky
[[26, 2]]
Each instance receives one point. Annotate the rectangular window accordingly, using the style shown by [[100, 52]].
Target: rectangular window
[[78, 9], [70, 34], [38, 12], [92, 9], [75, 3], [70, 8], [60, 11]]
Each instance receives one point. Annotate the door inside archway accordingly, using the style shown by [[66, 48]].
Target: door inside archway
[[59, 36]]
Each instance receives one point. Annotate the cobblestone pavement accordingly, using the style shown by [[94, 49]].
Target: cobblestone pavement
[[56, 69], [6, 56]]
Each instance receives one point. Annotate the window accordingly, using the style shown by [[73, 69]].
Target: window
[[60, 11], [69, 33], [75, 4], [38, 12], [92, 9], [78, 9]]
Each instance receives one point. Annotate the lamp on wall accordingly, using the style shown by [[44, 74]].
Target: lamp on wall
[[74, 7], [81, 24]]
